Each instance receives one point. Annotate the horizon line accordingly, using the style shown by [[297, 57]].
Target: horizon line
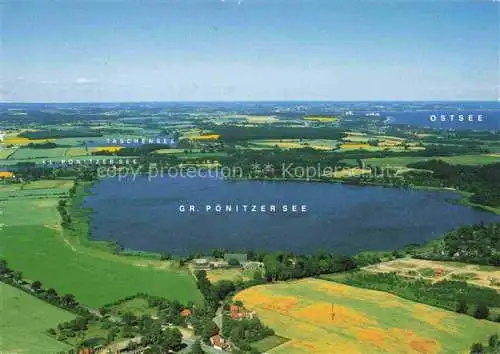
[[247, 101]]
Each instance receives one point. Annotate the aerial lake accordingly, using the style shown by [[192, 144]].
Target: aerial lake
[[155, 215], [490, 119]]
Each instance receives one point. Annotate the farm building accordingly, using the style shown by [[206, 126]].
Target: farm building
[[201, 263], [209, 263], [186, 313], [237, 313], [219, 343], [218, 264], [86, 351], [241, 257], [438, 272], [253, 265]]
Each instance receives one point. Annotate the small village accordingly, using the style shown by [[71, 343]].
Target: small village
[[217, 342], [229, 312]]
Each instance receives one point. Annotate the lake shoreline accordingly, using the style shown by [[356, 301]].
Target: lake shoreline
[[465, 196], [160, 234], [464, 200]]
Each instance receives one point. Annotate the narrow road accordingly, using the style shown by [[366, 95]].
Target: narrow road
[[218, 317], [206, 348]]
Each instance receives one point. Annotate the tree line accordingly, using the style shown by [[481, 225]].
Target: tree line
[[58, 133], [16, 279], [477, 244], [245, 331], [482, 181], [451, 295], [493, 346], [287, 266], [232, 133]]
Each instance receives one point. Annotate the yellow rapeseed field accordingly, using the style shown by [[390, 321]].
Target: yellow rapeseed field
[[108, 148], [15, 140], [206, 137], [6, 174]]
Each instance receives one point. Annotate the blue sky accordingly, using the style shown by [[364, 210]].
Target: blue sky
[[249, 50]]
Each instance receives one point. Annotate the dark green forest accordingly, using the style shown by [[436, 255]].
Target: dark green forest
[[477, 244]]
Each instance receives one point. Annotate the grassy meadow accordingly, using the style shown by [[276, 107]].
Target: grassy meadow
[[402, 161], [53, 153], [326, 317], [33, 153], [266, 344], [32, 241], [6, 152], [233, 274], [137, 306], [24, 321]]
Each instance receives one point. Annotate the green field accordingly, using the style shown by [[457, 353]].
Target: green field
[[402, 161], [73, 141], [233, 274], [75, 151], [472, 160], [24, 321], [46, 191], [137, 306], [32, 241], [40, 161], [54, 153], [319, 316], [320, 144], [6, 152], [55, 185], [29, 153], [204, 155], [264, 345], [169, 151]]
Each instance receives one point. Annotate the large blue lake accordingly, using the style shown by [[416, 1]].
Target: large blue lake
[[145, 215], [490, 119]]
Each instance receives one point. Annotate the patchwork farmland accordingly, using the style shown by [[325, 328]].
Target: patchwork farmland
[[326, 317]]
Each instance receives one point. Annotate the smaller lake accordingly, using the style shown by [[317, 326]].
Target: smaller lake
[[145, 215]]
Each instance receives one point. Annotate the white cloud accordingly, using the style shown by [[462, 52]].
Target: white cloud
[[48, 82], [84, 80]]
